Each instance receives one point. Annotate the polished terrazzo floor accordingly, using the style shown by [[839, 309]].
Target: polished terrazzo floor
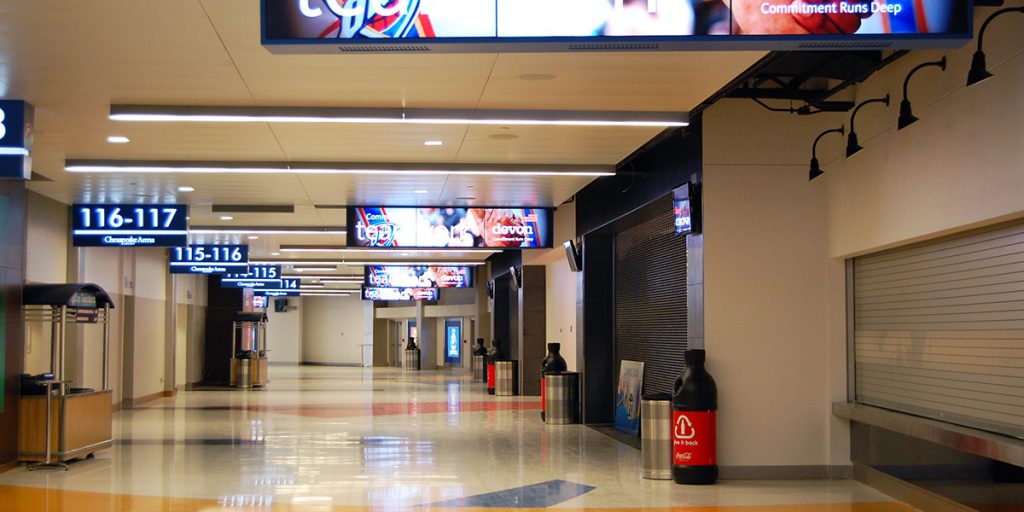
[[340, 439]]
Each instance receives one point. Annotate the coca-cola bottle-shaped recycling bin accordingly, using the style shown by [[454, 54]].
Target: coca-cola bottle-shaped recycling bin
[[694, 409]]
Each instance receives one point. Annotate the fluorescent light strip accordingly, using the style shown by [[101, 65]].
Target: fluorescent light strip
[[304, 263], [210, 231], [490, 117], [285, 248], [8, 151], [163, 169]]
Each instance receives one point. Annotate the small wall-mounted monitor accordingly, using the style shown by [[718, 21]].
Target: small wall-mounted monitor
[[686, 206], [573, 256], [259, 301], [280, 305]]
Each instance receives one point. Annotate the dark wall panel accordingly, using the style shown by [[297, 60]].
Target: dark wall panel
[[223, 303], [12, 336]]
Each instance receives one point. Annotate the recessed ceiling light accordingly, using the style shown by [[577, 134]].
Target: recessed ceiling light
[[419, 191], [226, 217], [434, 143], [254, 238], [186, 189], [118, 139], [503, 136]]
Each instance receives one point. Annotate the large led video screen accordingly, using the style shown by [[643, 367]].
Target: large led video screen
[[404, 276], [759, 23], [450, 228]]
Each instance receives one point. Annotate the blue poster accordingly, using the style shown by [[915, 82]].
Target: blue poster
[[627, 397], [452, 341]]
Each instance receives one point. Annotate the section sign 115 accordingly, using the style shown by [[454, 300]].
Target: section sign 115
[[129, 225], [210, 259], [259, 276]]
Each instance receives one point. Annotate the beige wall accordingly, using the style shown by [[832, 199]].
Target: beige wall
[[959, 166], [284, 333], [332, 329], [767, 289], [47, 247], [560, 286]]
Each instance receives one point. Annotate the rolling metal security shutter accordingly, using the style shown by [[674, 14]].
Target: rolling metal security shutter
[[650, 301], [939, 329]]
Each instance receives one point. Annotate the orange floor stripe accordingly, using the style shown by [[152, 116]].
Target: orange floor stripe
[[31, 499]]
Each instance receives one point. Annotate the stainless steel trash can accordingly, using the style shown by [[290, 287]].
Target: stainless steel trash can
[[506, 378], [562, 398], [412, 360], [479, 369], [244, 376], [656, 436]]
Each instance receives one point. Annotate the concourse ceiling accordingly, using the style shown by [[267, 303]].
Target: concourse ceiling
[[72, 60]]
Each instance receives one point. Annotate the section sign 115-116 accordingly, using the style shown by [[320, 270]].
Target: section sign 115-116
[[210, 259], [129, 225], [450, 228], [293, 26]]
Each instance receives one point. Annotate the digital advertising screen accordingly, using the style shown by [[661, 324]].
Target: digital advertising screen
[[450, 228], [129, 225], [400, 294], [759, 23], [681, 208], [259, 301], [403, 276], [210, 259], [452, 341]]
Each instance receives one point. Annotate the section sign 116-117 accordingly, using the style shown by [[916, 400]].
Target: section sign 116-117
[[210, 259], [129, 225]]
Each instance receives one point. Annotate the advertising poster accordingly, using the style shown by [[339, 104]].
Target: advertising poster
[[452, 341], [524, 19], [439, 228], [398, 276], [627, 397], [681, 207]]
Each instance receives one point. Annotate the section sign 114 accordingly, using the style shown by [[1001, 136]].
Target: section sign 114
[[129, 225]]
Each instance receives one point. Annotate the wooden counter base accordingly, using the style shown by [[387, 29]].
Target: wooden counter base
[[81, 425]]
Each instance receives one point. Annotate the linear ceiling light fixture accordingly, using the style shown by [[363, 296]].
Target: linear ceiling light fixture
[[207, 114], [345, 249], [199, 167], [266, 230], [335, 263]]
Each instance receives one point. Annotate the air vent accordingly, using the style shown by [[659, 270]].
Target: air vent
[[253, 208], [384, 48], [849, 45], [598, 47]]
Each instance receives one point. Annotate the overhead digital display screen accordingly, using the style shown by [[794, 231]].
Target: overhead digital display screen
[[400, 294], [681, 24], [398, 276], [129, 225], [259, 276], [450, 228], [210, 259]]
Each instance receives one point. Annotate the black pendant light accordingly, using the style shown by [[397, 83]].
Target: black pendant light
[[978, 72], [852, 144], [815, 166], [906, 112]]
